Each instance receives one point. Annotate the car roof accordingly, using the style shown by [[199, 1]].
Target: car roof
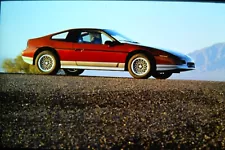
[[74, 29], [87, 29]]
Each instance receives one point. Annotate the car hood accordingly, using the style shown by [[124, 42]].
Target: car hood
[[173, 52]]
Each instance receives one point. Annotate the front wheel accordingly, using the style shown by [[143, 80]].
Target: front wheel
[[73, 72], [140, 67], [162, 75]]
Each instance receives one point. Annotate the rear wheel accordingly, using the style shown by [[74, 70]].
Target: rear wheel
[[139, 66], [162, 75], [47, 62], [74, 72]]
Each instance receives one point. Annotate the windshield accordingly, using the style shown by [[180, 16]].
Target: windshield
[[119, 36]]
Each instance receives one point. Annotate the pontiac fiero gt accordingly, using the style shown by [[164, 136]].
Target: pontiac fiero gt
[[76, 50]]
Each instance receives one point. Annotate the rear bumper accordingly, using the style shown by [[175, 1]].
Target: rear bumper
[[28, 54], [28, 60]]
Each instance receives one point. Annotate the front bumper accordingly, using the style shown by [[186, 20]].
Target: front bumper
[[174, 68], [188, 64]]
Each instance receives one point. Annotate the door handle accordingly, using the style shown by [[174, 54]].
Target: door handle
[[79, 49]]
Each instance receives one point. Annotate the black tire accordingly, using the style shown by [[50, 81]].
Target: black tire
[[162, 75], [73, 72], [47, 63], [140, 66]]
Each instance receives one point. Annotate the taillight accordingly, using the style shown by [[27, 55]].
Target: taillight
[[28, 43]]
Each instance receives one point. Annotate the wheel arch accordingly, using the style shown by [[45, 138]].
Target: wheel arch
[[148, 54], [41, 49]]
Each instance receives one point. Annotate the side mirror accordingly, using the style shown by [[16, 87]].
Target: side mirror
[[109, 43]]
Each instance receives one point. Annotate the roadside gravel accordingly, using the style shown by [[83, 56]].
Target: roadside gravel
[[39, 111]]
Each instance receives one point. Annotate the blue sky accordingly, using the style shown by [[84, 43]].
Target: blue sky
[[182, 26]]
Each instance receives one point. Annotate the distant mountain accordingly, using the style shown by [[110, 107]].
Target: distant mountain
[[210, 64], [211, 58]]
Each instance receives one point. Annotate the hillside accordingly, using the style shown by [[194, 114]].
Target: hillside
[[211, 58], [65, 112], [210, 64]]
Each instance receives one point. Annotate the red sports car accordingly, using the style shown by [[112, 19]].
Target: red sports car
[[75, 50]]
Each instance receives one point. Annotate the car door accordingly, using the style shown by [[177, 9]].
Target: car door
[[95, 52], [63, 43]]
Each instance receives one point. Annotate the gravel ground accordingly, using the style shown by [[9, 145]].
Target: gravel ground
[[69, 112]]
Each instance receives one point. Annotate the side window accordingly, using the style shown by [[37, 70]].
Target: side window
[[86, 38], [60, 36], [90, 37], [105, 38]]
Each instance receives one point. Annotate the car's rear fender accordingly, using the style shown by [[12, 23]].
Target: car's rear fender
[[41, 49]]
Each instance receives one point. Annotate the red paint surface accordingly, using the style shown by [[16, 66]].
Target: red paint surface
[[70, 51], [29, 52]]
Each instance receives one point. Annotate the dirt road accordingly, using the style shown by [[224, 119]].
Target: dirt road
[[40, 111]]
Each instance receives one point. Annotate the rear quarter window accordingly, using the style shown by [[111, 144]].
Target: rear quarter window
[[60, 36]]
